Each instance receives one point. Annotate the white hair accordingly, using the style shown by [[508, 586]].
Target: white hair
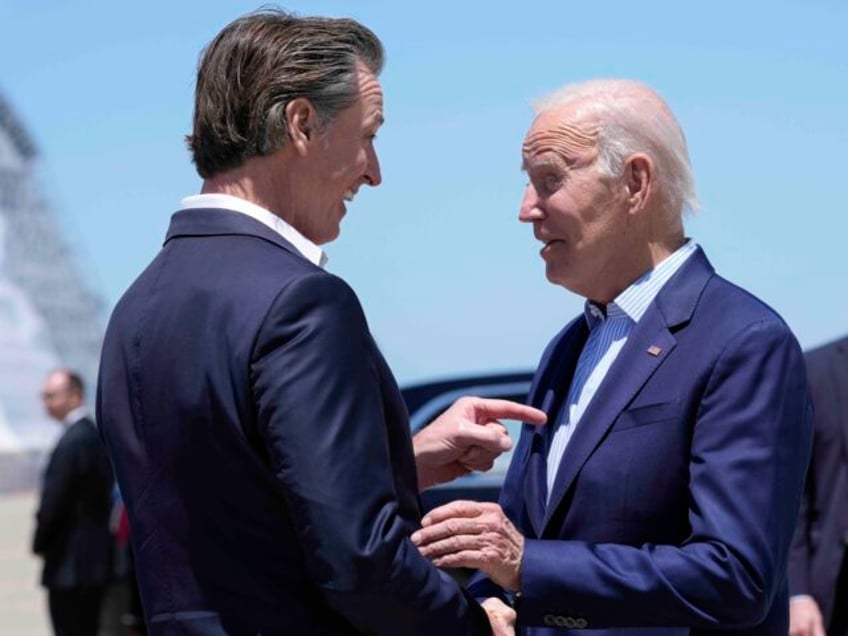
[[632, 118]]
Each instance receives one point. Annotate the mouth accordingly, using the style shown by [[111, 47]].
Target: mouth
[[549, 245], [349, 194]]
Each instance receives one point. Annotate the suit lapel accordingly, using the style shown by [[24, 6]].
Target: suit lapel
[[647, 347], [549, 394]]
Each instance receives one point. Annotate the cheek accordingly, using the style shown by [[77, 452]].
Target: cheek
[[348, 168], [361, 163], [563, 212], [595, 214]]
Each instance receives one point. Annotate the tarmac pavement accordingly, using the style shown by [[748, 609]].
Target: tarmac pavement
[[23, 602]]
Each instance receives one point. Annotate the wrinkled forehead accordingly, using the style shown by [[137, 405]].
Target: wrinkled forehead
[[370, 94], [561, 132]]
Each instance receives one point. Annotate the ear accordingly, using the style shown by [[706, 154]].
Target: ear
[[302, 123], [639, 180]]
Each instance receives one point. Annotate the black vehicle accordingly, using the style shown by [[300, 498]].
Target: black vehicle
[[427, 401]]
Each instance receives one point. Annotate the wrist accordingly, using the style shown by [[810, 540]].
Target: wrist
[[426, 478]]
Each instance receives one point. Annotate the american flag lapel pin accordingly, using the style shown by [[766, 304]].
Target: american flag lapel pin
[[654, 350]]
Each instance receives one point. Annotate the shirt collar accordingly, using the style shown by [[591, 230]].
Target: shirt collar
[[307, 248], [633, 302], [76, 415]]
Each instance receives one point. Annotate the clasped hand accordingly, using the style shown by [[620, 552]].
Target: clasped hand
[[472, 534], [501, 617]]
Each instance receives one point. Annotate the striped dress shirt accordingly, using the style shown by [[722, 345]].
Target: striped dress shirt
[[609, 329]]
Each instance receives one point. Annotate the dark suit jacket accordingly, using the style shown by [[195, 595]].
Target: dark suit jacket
[[677, 494], [72, 523], [263, 448], [820, 539]]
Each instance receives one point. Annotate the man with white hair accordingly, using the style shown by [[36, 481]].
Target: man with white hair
[[662, 494]]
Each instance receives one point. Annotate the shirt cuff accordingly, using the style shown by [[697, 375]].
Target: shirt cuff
[[801, 597]]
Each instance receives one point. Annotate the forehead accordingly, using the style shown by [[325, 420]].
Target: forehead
[[56, 381], [370, 94], [559, 132]]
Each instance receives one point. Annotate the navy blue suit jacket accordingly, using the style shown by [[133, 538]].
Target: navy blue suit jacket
[[72, 523], [821, 537], [673, 508], [262, 447]]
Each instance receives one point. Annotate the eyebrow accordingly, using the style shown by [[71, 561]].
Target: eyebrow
[[554, 161]]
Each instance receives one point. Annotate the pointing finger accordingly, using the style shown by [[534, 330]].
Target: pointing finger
[[497, 409]]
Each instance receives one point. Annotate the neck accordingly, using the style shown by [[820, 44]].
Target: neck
[[238, 183], [260, 180], [641, 260], [660, 250], [77, 411]]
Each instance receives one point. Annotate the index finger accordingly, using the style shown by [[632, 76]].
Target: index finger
[[496, 409]]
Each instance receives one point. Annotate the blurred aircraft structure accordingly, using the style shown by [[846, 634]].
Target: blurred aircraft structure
[[48, 316]]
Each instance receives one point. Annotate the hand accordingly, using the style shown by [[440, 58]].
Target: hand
[[501, 617], [466, 437], [472, 534], [805, 617]]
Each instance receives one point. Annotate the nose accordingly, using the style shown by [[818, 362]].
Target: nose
[[373, 177], [530, 210]]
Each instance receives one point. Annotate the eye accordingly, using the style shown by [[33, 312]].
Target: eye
[[547, 183], [552, 182]]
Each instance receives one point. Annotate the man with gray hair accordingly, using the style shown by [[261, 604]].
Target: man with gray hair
[[261, 444], [662, 495]]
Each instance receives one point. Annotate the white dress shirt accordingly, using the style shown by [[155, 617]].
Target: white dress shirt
[[307, 248], [76, 415]]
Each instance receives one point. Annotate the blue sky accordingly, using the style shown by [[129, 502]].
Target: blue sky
[[449, 279]]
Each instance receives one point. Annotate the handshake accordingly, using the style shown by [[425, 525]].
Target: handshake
[[469, 534]]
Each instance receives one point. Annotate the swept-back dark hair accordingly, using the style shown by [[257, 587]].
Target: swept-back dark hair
[[259, 63]]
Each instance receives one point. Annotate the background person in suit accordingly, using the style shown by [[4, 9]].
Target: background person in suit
[[662, 496], [818, 569], [261, 444], [72, 523]]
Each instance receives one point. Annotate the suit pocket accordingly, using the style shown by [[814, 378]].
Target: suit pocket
[[647, 414]]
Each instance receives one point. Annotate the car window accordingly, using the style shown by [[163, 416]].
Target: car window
[[502, 462]]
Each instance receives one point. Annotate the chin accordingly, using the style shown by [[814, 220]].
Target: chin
[[329, 237], [552, 275], [556, 278]]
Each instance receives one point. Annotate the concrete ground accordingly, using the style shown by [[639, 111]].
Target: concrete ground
[[23, 603]]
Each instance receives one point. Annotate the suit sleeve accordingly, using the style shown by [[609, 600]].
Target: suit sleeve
[[511, 498], [801, 552], [511, 502], [749, 451], [316, 384]]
